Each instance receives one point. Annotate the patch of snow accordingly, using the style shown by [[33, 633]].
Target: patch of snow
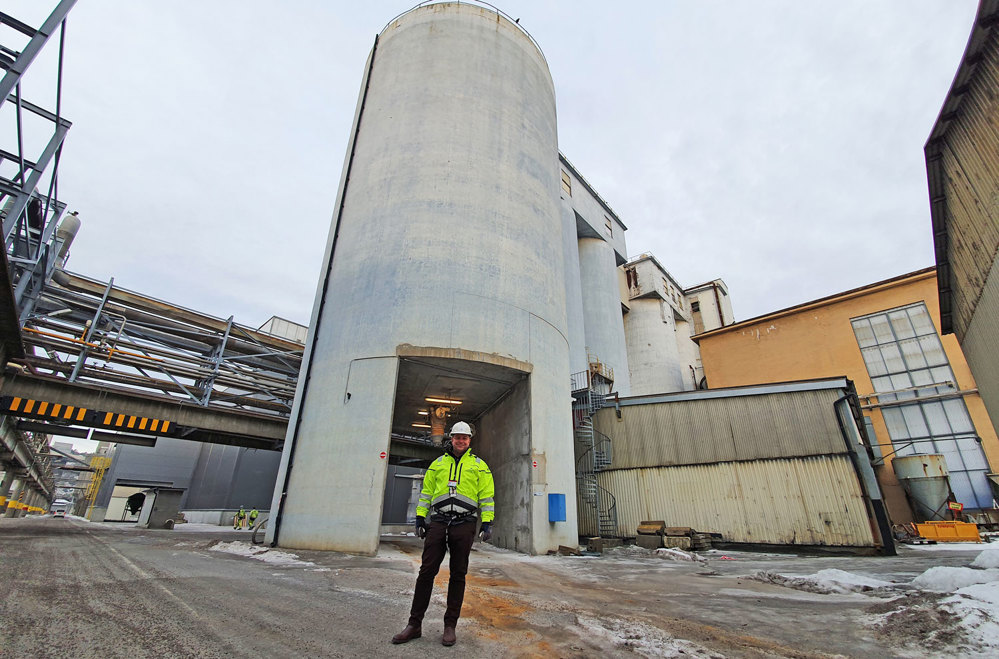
[[644, 640], [260, 553], [628, 550], [826, 581], [673, 554], [942, 579], [987, 559], [947, 546], [977, 608], [238, 548]]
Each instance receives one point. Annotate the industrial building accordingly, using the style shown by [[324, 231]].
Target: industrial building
[[962, 167], [916, 391], [485, 272]]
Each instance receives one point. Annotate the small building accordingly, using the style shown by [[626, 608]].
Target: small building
[[916, 390], [777, 464]]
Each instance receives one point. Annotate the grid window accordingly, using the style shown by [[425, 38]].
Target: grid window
[[609, 226], [566, 184], [905, 360]]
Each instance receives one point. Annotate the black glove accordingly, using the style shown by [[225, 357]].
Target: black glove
[[421, 526], [486, 532]]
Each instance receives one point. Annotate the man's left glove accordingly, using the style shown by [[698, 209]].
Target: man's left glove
[[486, 532], [421, 527]]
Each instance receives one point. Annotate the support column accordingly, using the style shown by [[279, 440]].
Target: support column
[[12, 503], [8, 480]]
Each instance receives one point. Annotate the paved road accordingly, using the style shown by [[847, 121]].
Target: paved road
[[74, 589]]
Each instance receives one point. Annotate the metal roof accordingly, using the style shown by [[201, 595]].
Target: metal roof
[[985, 23]]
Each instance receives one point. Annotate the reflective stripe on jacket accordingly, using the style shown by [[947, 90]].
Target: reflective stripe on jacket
[[473, 489]]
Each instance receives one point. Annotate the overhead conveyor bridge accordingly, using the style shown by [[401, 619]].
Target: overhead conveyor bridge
[[101, 357]]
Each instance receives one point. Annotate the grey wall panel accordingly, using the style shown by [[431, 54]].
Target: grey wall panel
[[171, 462], [683, 432], [253, 482], [213, 476]]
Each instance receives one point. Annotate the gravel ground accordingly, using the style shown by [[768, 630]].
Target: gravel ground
[[78, 589]]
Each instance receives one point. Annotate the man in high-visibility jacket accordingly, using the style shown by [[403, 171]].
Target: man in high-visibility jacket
[[457, 488]]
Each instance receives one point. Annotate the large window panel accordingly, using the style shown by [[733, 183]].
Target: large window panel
[[913, 353], [882, 329], [902, 351], [932, 350], [901, 324], [865, 335], [914, 421]]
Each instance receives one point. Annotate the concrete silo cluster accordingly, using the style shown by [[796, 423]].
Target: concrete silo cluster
[[469, 271]]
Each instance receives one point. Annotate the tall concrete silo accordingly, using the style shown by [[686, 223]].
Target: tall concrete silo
[[443, 279], [605, 340]]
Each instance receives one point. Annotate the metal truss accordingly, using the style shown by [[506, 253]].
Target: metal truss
[[29, 203], [91, 332]]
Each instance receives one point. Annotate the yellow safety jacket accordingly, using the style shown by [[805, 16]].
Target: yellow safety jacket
[[457, 489]]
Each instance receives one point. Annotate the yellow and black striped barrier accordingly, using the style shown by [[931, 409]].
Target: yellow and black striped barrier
[[49, 411]]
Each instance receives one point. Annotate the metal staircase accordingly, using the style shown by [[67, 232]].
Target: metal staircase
[[594, 453]]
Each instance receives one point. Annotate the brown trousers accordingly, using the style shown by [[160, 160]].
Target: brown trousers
[[442, 538]]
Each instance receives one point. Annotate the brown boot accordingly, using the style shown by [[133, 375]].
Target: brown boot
[[409, 633], [449, 638]]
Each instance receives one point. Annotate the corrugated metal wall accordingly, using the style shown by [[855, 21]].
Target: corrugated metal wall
[[970, 163], [979, 344], [684, 432], [801, 501]]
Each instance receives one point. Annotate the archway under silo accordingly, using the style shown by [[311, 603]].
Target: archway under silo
[[436, 388]]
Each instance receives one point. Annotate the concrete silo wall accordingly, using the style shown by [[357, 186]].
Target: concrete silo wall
[[449, 237], [602, 309]]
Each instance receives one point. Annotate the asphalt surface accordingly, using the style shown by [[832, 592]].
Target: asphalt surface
[[75, 589]]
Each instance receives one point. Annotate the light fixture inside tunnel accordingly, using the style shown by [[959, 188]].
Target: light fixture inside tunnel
[[421, 425], [443, 401], [423, 413]]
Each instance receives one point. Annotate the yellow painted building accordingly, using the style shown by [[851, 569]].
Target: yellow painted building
[[915, 386]]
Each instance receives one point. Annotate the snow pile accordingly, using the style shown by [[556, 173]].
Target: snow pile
[[644, 640], [673, 554], [260, 553], [942, 579], [627, 550], [957, 611], [977, 608], [987, 559], [827, 582]]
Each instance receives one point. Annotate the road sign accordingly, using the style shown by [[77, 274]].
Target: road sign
[[382, 455], [954, 505]]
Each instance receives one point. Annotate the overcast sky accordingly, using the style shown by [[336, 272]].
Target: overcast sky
[[776, 145]]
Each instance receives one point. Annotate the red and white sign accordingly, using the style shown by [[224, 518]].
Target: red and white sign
[[382, 455], [535, 464], [954, 505]]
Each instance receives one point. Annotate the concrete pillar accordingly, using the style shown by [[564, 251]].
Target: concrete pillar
[[36, 500], [12, 502], [8, 480]]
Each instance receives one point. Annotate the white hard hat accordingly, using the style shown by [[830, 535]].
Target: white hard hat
[[461, 428]]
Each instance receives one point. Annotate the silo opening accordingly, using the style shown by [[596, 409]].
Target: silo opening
[[434, 393]]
